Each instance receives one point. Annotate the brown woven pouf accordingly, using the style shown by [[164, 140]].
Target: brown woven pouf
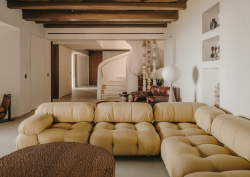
[[59, 159]]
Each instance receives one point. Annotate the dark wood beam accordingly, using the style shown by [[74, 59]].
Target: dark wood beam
[[56, 15], [106, 26], [120, 1], [96, 6], [99, 22]]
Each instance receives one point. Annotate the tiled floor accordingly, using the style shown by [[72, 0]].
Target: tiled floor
[[137, 166]]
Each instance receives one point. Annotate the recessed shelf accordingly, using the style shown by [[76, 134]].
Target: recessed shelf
[[212, 33], [206, 47], [207, 16], [211, 64]]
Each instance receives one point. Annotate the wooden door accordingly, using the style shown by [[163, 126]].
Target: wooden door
[[95, 58], [55, 72]]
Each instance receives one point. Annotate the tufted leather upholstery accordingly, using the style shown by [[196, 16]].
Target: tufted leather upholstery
[[176, 112], [123, 112], [155, 95], [126, 138], [205, 153], [125, 129], [68, 112], [53, 122], [239, 173], [78, 132], [205, 115], [186, 149], [167, 129], [234, 132]]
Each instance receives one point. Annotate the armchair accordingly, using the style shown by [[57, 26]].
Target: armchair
[[155, 95]]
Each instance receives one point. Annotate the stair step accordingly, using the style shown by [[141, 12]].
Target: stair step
[[121, 78], [111, 86], [115, 91], [117, 82]]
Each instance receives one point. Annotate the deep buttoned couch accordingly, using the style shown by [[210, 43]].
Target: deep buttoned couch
[[53, 122], [125, 129], [199, 140]]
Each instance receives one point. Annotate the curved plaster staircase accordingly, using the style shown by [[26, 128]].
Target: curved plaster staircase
[[110, 87], [113, 88]]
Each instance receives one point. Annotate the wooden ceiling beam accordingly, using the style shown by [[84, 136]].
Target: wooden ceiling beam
[[96, 6], [56, 15], [106, 26], [99, 22]]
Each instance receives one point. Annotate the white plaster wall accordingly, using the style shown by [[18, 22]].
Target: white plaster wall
[[65, 84], [10, 65], [110, 54], [14, 18], [235, 53], [114, 69]]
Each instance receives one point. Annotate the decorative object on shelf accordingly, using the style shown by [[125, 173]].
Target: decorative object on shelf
[[213, 24], [218, 53], [149, 63], [154, 62], [217, 95], [6, 108], [171, 74], [144, 88], [215, 53], [212, 55], [124, 96]]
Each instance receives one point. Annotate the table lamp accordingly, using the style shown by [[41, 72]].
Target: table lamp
[[171, 74]]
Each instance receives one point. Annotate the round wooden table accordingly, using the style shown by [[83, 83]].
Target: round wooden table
[[59, 159]]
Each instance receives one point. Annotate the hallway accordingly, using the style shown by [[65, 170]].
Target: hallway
[[83, 94]]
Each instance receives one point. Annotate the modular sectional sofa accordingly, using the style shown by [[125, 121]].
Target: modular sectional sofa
[[125, 129], [202, 141], [52, 122], [196, 140]]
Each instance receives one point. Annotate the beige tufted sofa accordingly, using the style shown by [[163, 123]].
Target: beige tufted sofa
[[218, 146], [52, 122], [125, 129]]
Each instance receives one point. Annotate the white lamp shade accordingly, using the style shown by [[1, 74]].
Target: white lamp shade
[[171, 73]]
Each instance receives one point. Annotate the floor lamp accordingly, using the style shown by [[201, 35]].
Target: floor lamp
[[171, 74]]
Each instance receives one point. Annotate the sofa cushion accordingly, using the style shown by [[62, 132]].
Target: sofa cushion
[[176, 112], [35, 124], [167, 129], [234, 132], [185, 155], [23, 141], [126, 138], [78, 132], [68, 112], [124, 112], [205, 115], [238, 173]]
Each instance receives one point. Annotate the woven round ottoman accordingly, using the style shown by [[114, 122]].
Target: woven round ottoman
[[58, 159]]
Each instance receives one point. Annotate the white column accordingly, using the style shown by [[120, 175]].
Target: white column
[[154, 62], [144, 88]]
